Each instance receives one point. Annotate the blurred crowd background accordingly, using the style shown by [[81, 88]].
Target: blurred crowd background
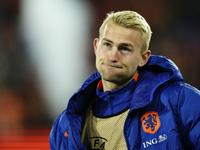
[[46, 50]]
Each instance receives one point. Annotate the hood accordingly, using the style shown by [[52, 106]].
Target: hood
[[157, 71], [161, 64]]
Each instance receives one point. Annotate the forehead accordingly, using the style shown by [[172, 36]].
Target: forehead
[[117, 33]]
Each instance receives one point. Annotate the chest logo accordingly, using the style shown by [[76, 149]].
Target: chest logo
[[150, 122], [97, 143]]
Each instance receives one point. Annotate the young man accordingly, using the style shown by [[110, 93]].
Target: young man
[[134, 101]]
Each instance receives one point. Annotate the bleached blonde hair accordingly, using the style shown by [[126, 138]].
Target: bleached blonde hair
[[130, 19]]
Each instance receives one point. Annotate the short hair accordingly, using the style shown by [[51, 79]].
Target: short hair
[[133, 20]]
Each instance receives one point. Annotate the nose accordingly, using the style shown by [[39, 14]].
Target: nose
[[113, 55]]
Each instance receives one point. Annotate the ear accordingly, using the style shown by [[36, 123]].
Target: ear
[[95, 44], [145, 57]]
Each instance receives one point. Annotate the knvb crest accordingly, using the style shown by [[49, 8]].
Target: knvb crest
[[150, 122]]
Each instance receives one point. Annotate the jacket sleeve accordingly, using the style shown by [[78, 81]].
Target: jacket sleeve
[[189, 116], [56, 137]]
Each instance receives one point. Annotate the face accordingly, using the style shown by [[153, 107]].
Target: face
[[118, 54]]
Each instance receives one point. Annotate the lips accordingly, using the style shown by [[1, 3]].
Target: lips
[[112, 65]]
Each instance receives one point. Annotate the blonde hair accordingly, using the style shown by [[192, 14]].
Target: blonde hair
[[133, 20]]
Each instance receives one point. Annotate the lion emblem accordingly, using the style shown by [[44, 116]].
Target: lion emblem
[[150, 122]]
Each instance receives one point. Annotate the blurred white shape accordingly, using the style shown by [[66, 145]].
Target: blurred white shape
[[57, 36]]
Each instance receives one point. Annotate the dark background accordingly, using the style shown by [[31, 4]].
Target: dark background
[[176, 35]]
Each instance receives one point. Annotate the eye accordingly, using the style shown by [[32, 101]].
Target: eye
[[107, 44], [125, 49]]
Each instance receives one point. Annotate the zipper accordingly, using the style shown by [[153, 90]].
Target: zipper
[[111, 103]]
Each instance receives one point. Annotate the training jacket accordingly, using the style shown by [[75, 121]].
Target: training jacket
[[164, 112]]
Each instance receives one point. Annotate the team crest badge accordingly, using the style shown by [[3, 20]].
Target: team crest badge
[[150, 122]]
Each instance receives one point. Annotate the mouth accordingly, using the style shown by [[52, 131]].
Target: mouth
[[113, 65]]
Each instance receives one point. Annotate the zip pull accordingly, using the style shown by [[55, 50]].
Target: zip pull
[[109, 95]]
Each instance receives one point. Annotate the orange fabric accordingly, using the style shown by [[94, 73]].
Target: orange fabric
[[100, 85], [136, 77]]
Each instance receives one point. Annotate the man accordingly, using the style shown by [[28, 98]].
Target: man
[[134, 101]]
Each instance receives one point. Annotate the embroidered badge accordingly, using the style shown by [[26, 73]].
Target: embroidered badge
[[150, 122], [66, 134]]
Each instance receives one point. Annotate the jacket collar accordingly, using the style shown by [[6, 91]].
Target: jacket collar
[[157, 71]]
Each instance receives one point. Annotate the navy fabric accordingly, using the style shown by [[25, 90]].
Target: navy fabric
[[159, 89], [111, 102]]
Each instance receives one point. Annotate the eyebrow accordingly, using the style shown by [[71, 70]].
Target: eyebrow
[[105, 39], [127, 44], [121, 44]]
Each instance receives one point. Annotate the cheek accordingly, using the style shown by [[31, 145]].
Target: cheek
[[132, 63], [98, 58], [100, 54]]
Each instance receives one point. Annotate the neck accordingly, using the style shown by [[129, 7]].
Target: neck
[[110, 86]]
